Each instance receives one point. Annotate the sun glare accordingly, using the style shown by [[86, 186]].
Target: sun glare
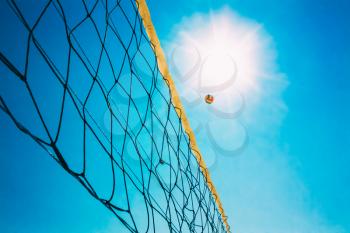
[[215, 52]]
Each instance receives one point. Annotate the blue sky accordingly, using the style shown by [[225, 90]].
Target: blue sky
[[292, 175], [311, 44]]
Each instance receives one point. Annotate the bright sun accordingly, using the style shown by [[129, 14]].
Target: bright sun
[[217, 52]]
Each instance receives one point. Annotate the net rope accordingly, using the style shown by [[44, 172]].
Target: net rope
[[81, 79]]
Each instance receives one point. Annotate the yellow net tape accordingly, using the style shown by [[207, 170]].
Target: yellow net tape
[[163, 68]]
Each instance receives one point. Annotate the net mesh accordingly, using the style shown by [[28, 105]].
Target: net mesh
[[81, 79]]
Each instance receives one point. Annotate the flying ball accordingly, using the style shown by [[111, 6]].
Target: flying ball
[[209, 99]]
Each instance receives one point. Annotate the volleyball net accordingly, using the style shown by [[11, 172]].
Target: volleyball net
[[88, 82]]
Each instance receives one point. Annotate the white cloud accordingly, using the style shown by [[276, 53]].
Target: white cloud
[[260, 189]]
